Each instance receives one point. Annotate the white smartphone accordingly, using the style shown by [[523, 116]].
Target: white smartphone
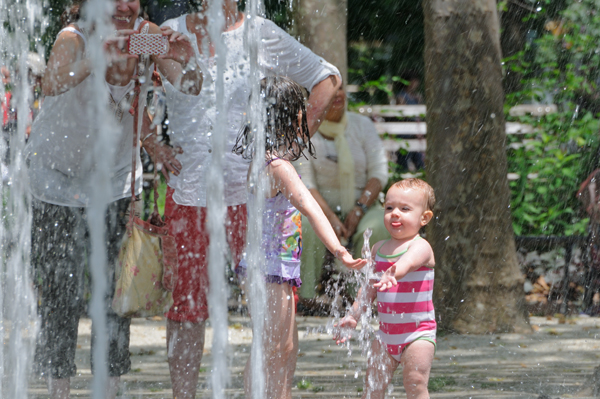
[[148, 43]]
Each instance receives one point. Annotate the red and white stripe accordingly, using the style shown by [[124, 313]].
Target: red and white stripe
[[406, 311]]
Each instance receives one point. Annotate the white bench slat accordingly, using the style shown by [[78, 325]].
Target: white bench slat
[[420, 128]]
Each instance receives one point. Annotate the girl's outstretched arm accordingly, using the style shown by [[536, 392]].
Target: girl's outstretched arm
[[419, 254], [286, 180]]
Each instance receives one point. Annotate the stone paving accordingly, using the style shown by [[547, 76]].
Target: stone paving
[[556, 360]]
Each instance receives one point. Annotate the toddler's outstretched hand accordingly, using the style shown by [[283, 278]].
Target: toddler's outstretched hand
[[347, 323], [348, 261], [388, 279]]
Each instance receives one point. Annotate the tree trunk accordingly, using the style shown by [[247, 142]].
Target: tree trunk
[[479, 287], [321, 26]]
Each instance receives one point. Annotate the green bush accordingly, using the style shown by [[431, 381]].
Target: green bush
[[560, 67]]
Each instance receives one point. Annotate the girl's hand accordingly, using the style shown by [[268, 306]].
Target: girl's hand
[[347, 323], [180, 47], [388, 279], [115, 47], [347, 259]]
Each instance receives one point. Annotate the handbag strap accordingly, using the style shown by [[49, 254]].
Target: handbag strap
[[135, 106]]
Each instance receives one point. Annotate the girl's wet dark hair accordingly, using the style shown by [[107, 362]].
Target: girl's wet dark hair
[[283, 99], [72, 13]]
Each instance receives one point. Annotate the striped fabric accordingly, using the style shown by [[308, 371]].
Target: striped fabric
[[405, 311]]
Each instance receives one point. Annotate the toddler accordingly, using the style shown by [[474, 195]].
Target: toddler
[[407, 326]]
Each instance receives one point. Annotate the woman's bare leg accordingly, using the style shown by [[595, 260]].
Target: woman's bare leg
[[280, 344], [380, 371], [416, 364], [59, 388], [185, 345], [113, 387]]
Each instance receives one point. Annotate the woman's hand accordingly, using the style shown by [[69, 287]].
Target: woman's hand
[[115, 47], [180, 47], [163, 157], [338, 226], [351, 222]]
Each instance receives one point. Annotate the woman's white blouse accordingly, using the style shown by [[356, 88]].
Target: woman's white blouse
[[369, 160], [61, 155], [192, 118]]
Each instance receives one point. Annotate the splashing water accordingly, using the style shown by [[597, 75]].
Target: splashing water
[[360, 279], [363, 277]]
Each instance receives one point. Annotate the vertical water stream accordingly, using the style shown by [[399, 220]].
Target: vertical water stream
[[98, 25], [256, 289], [18, 318], [218, 292]]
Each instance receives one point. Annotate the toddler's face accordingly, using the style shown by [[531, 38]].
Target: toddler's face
[[405, 212]]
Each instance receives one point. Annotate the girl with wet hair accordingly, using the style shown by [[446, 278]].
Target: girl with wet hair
[[283, 98], [286, 198]]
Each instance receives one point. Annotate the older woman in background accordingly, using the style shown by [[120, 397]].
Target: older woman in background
[[346, 177]]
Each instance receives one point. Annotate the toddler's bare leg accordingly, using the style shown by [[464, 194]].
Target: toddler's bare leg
[[416, 364], [380, 371], [280, 344]]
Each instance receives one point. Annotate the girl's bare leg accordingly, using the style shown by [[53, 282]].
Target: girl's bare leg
[[185, 345], [416, 364], [380, 371], [280, 344]]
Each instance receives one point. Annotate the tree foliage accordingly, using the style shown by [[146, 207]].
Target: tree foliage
[[560, 67]]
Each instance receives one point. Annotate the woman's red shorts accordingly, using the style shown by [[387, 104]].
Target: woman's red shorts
[[188, 225]]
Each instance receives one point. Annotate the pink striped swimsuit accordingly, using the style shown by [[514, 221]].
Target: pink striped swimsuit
[[406, 311]]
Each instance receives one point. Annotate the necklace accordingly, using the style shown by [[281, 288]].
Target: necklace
[[117, 106]]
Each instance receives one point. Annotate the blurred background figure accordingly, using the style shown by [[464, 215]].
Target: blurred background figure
[[35, 71], [346, 178], [9, 120], [407, 91]]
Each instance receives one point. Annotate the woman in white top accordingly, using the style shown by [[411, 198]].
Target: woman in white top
[[191, 122], [346, 177], [60, 166]]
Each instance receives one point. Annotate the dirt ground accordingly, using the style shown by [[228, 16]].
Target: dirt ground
[[554, 361]]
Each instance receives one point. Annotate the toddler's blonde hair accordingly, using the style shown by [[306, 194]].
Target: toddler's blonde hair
[[418, 184]]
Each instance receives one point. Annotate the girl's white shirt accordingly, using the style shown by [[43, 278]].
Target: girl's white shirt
[[60, 150], [192, 118]]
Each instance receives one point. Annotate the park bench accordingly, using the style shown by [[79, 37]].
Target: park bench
[[395, 122]]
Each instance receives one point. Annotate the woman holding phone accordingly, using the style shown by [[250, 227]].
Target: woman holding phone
[[192, 122], [61, 165]]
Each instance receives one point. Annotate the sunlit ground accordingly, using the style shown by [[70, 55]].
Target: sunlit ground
[[555, 359]]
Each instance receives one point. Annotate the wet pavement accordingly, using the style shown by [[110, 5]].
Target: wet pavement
[[556, 360]]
